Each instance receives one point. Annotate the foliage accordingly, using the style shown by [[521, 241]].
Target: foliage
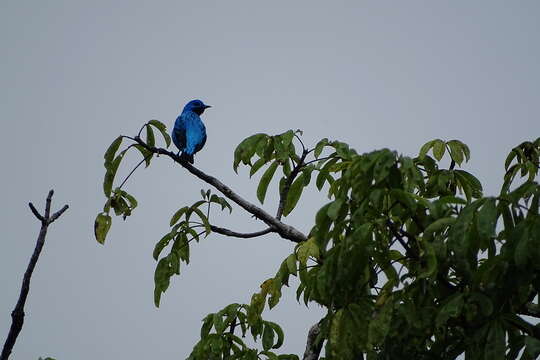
[[409, 258]]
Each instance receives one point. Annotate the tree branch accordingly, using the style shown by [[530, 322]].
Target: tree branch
[[57, 214], [227, 232], [408, 250], [35, 212], [313, 349], [17, 315], [285, 231]]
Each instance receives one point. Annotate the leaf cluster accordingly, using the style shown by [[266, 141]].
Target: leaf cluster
[[223, 334], [184, 229], [121, 202], [408, 256]]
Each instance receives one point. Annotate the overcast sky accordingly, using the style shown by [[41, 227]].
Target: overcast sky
[[75, 74]]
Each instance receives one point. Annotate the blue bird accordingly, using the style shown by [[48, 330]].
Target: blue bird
[[189, 133]]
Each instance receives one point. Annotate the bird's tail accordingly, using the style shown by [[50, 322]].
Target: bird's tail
[[186, 157]]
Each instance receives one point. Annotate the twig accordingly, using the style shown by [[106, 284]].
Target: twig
[[285, 231], [319, 159], [140, 131], [35, 212], [17, 315], [408, 250], [228, 232], [135, 168], [301, 143]]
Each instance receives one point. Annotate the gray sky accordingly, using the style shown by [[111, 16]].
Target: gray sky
[[76, 74]]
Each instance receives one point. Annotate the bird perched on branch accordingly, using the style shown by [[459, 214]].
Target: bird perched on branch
[[189, 133]]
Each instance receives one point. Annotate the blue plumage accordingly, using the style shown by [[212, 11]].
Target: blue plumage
[[189, 133]]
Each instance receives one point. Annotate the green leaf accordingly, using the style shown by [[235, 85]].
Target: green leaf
[[438, 149], [438, 225], [101, 227], [287, 137], [319, 147], [466, 151], [132, 201], [208, 322], [162, 129], [335, 334], [219, 325], [430, 259], [178, 214], [380, 325], [150, 138], [456, 151], [221, 201], [119, 205], [532, 348], [111, 173], [204, 219], [404, 198], [451, 309], [521, 236], [509, 159], [295, 191], [468, 180], [269, 355], [484, 303], [161, 279], [161, 244], [193, 233], [268, 337], [425, 149], [291, 264], [111, 151], [279, 332], [265, 180], [487, 219], [246, 149], [495, 348], [322, 177], [255, 167], [334, 208]]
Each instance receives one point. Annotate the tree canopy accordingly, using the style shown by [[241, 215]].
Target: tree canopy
[[408, 257]]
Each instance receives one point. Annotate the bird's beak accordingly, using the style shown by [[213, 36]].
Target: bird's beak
[[207, 106]]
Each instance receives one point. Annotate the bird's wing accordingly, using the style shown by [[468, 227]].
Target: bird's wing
[[200, 145], [179, 132], [195, 133]]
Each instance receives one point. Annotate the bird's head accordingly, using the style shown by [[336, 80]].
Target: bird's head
[[197, 106]]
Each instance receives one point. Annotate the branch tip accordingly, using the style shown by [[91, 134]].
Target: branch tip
[[35, 212]]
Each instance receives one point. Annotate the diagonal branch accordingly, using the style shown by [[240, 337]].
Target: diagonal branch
[[57, 214], [227, 232], [313, 349], [285, 231], [17, 315]]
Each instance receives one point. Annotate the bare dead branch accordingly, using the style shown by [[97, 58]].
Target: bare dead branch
[[57, 214], [35, 212], [17, 315]]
